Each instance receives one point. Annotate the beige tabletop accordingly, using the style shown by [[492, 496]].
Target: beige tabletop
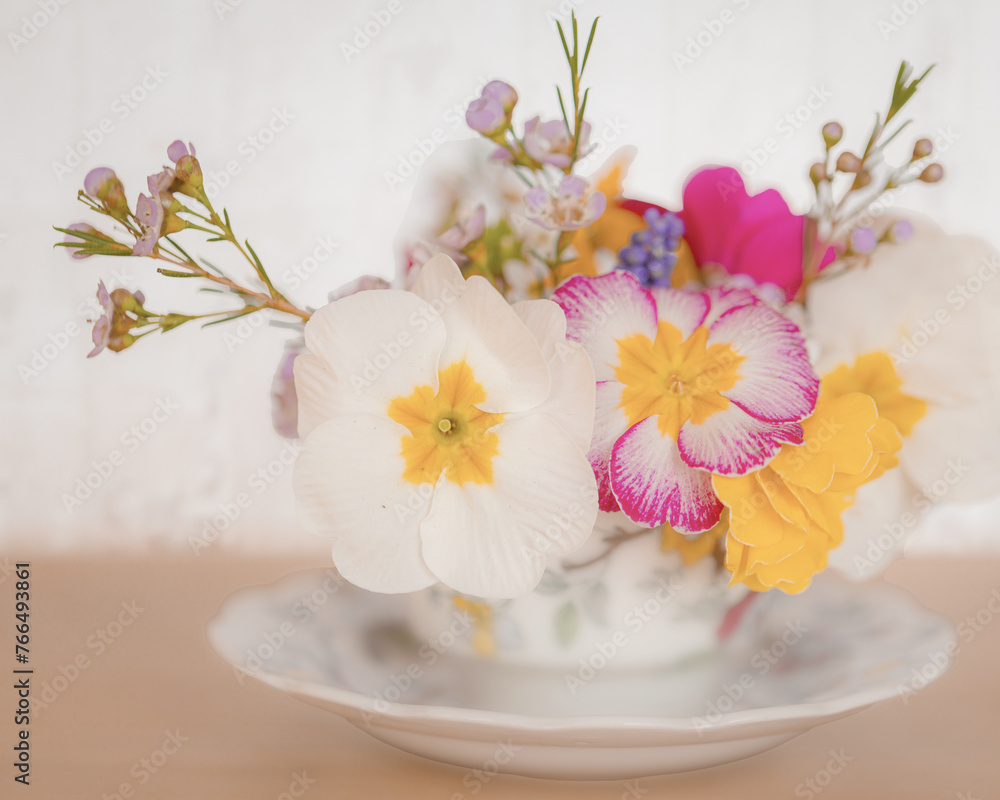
[[138, 705]]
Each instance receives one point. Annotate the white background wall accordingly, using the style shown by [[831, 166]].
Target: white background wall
[[217, 73]]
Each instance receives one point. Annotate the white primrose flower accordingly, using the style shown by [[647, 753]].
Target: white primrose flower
[[444, 436], [917, 329]]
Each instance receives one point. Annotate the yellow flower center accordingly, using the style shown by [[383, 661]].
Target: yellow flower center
[[675, 378], [448, 432]]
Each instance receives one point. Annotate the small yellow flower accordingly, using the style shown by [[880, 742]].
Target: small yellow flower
[[875, 375], [483, 640], [785, 518]]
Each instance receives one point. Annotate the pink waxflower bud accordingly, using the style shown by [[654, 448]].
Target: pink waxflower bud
[[284, 400], [503, 93], [486, 115], [103, 184], [177, 149], [187, 168], [863, 240], [901, 231]]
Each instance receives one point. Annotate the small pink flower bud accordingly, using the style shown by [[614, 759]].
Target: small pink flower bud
[[848, 162], [103, 184], [863, 240], [485, 115], [817, 173], [901, 231], [922, 148], [833, 132], [503, 93], [932, 173]]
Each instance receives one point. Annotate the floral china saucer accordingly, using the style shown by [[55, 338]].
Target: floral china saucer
[[812, 658]]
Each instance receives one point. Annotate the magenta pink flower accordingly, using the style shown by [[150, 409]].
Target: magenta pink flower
[[756, 235]]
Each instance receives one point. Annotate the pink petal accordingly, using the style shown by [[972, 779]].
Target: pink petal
[[731, 442], [610, 423], [777, 382], [600, 311], [654, 485]]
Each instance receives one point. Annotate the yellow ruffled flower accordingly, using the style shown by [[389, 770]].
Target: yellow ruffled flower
[[694, 547], [875, 375], [785, 518]]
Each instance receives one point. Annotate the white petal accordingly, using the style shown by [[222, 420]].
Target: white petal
[[485, 332], [877, 526], [348, 485], [379, 344], [318, 395], [439, 281], [931, 304], [682, 309], [546, 322], [493, 540], [571, 402]]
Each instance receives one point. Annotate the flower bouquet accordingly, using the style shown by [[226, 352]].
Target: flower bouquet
[[575, 416]]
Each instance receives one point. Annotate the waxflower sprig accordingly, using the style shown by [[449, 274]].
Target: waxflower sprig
[[561, 204], [833, 219], [152, 224]]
